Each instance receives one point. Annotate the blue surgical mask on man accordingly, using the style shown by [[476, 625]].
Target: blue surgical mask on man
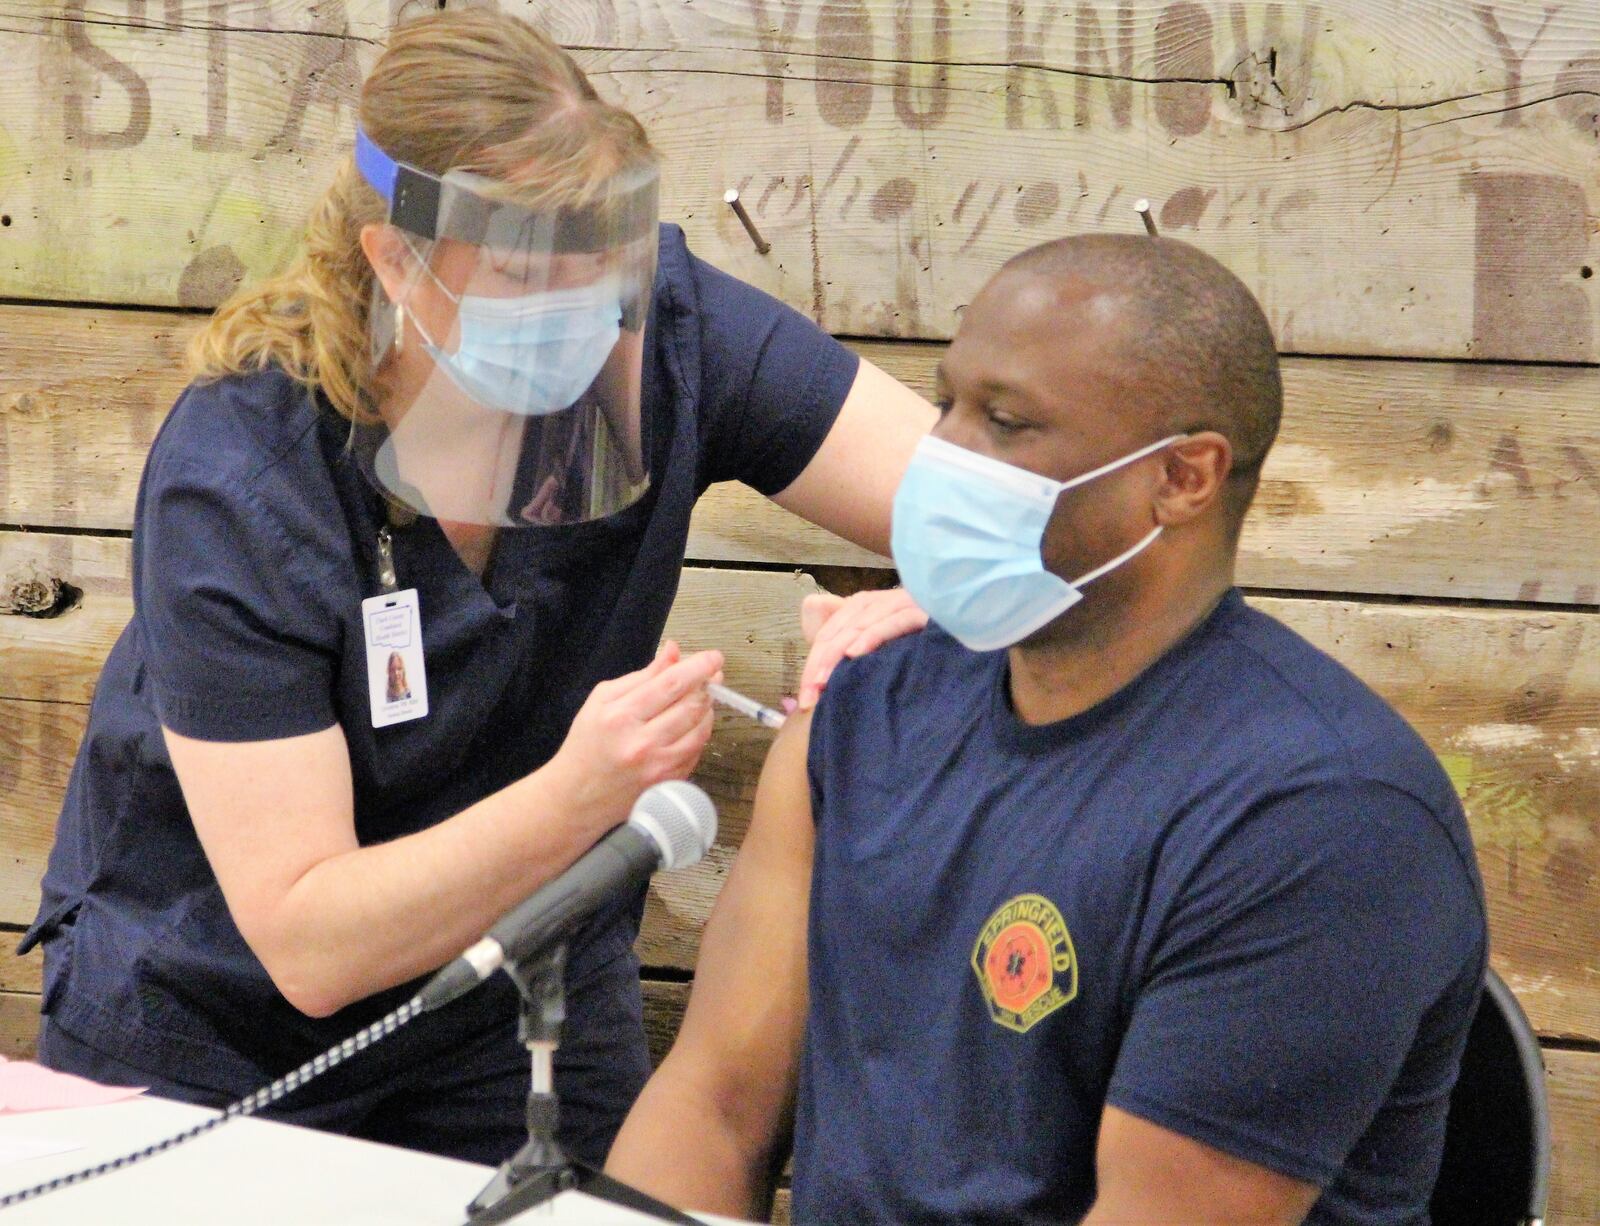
[[967, 539], [533, 354]]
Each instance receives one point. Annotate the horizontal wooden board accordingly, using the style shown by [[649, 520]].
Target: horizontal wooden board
[[664, 1004], [48, 669], [1509, 699], [24, 974], [1399, 179], [753, 619], [1439, 479], [1573, 1080], [58, 658], [19, 1025], [38, 741], [1511, 704], [1401, 478], [162, 155], [1404, 179], [358, 19]]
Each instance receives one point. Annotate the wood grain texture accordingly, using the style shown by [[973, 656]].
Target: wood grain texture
[[19, 1025], [1509, 699], [24, 974], [1510, 702], [1438, 479], [1390, 179], [48, 670], [664, 1004], [1403, 478], [1399, 179], [307, 18], [1573, 1079], [165, 153], [38, 740]]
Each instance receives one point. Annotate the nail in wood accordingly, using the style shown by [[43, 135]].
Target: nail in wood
[[731, 198]]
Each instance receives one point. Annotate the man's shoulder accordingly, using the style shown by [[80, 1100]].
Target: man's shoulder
[[1287, 698], [1277, 716], [929, 660], [892, 705]]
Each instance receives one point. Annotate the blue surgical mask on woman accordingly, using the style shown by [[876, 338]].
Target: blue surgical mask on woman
[[533, 354], [967, 539]]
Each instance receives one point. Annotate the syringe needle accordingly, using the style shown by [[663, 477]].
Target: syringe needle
[[767, 717]]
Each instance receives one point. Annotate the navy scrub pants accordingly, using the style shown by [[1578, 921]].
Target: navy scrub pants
[[465, 1103]]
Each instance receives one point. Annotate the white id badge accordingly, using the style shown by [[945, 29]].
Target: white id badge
[[396, 679]]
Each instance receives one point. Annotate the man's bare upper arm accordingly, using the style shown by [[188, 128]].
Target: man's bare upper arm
[[741, 1037], [1146, 1174]]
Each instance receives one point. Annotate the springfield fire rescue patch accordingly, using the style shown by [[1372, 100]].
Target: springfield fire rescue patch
[[1025, 962]]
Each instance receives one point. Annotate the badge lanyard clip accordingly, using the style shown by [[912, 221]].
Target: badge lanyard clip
[[386, 576]]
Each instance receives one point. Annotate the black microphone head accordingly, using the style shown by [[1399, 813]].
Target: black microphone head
[[680, 819]]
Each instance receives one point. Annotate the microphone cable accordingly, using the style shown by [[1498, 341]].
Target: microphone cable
[[249, 1105], [676, 817]]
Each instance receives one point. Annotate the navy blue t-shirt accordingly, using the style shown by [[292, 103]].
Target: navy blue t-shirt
[[254, 546], [1237, 899]]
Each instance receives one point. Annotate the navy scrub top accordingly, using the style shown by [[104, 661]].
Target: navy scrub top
[[254, 545]]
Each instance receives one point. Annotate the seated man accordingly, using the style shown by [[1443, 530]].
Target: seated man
[[1159, 915]]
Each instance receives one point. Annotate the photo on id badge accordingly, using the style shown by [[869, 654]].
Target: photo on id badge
[[396, 682]]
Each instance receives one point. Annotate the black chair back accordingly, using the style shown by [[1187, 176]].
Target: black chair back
[[1496, 1169]]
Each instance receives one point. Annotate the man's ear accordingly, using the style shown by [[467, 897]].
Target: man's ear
[[386, 252], [1193, 478]]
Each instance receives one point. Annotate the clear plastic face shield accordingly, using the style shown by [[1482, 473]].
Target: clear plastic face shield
[[508, 344]]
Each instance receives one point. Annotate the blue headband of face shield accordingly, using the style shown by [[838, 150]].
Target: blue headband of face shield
[[967, 537], [465, 206]]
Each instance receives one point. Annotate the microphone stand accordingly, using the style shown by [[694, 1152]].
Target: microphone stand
[[541, 1169]]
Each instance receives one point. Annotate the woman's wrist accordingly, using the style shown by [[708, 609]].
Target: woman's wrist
[[563, 793]]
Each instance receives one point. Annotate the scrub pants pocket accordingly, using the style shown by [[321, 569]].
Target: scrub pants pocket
[[66, 1053]]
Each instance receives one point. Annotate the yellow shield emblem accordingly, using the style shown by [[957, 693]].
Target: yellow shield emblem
[[1025, 962]]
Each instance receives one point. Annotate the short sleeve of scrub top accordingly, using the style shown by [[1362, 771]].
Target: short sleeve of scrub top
[[773, 383], [240, 647]]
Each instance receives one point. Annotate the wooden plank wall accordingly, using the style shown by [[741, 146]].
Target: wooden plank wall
[[1410, 189]]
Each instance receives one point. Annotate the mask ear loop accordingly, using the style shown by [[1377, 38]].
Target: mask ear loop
[[1126, 555], [1134, 457]]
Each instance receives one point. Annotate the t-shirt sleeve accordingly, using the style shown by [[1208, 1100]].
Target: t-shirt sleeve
[[1288, 986], [237, 646], [772, 383]]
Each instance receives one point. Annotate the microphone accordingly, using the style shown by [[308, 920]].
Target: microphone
[[672, 826]]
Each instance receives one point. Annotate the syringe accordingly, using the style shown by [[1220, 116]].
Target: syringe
[[767, 717]]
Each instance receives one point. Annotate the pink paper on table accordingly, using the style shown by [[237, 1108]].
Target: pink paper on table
[[26, 1086]]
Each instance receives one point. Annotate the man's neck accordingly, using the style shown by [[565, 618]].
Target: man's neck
[[1095, 651]]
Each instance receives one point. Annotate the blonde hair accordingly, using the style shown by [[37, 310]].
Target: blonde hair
[[473, 89]]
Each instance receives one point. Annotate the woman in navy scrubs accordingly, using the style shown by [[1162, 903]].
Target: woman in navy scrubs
[[264, 844]]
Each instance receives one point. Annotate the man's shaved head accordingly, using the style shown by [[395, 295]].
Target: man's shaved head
[[1192, 342]]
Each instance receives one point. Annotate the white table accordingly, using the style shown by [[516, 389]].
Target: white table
[[249, 1173]]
